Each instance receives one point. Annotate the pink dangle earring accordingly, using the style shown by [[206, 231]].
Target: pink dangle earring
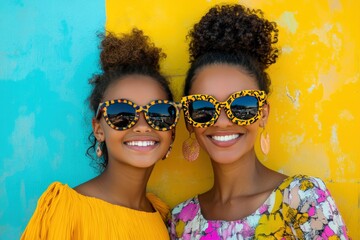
[[264, 141], [190, 149], [99, 151]]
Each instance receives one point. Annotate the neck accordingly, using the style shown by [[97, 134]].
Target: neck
[[236, 179], [125, 185]]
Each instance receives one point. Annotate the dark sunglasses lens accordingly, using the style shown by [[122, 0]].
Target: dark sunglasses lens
[[201, 111], [121, 114], [162, 115], [245, 108]]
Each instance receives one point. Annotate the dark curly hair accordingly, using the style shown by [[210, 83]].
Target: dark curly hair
[[121, 56], [235, 35]]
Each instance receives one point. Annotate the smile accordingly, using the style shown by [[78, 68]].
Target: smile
[[225, 138], [141, 143]]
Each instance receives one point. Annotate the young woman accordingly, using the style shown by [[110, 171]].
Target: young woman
[[133, 127], [225, 105]]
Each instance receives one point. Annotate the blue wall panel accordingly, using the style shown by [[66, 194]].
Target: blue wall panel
[[48, 51]]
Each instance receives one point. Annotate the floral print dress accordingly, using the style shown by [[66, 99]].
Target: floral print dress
[[301, 207]]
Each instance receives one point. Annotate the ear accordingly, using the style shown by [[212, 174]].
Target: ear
[[265, 111], [98, 131]]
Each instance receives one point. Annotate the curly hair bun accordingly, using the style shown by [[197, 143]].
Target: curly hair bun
[[235, 29], [134, 49]]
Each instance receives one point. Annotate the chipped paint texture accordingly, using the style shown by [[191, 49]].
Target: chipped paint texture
[[314, 118], [287, 21]]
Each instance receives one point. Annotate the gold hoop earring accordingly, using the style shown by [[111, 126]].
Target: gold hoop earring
[[265, 142], [99, 151], [168, 152], [190, 149]]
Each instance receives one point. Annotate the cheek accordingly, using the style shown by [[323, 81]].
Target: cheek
[[105, 127], [169, 135], [200, 135], [252, 133], [253, 127], [109, 132], [199, 131], [113, 136], [166, 137]]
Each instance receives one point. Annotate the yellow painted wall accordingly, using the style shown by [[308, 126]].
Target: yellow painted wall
[[315, 117]]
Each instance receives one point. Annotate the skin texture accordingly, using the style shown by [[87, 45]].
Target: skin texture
[[124, 180], [241, 182]]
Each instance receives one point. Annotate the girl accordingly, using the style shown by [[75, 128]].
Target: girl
[[225, 105], [133, 127]]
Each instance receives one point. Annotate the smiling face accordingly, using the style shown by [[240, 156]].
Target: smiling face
[[226, 142], [140, 146]]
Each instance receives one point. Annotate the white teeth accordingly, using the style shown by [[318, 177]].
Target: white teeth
[[141, 143], [225, 138]]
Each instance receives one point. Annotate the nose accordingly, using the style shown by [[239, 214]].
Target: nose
[[141, 125], [223, 120]]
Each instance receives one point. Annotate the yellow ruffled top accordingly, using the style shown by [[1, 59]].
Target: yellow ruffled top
[[63, 213]]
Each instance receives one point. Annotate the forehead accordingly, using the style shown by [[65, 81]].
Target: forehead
[[136, 88], [222, 80]]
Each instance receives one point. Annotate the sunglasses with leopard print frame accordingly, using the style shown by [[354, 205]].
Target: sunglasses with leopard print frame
[[242, 108], [122, 114]]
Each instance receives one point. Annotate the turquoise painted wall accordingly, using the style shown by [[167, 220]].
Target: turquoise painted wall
[[48, 50]]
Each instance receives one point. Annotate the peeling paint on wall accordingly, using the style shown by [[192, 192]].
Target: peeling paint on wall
[[288, 21], [293, 98]]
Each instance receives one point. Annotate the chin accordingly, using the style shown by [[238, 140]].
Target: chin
[[226, 157], [224, 160], [143, 166], [143, 162]]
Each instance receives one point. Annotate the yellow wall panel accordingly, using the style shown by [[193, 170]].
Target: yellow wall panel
[[315, 118]]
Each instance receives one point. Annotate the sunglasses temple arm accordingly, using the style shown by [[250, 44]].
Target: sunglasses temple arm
[[179, 105], [98, 110]]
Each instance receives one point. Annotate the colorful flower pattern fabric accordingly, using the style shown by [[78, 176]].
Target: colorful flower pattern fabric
[[301, 207]]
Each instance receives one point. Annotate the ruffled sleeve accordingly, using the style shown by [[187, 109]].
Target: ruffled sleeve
[[159, 205], [312, 211], [53, 217]]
